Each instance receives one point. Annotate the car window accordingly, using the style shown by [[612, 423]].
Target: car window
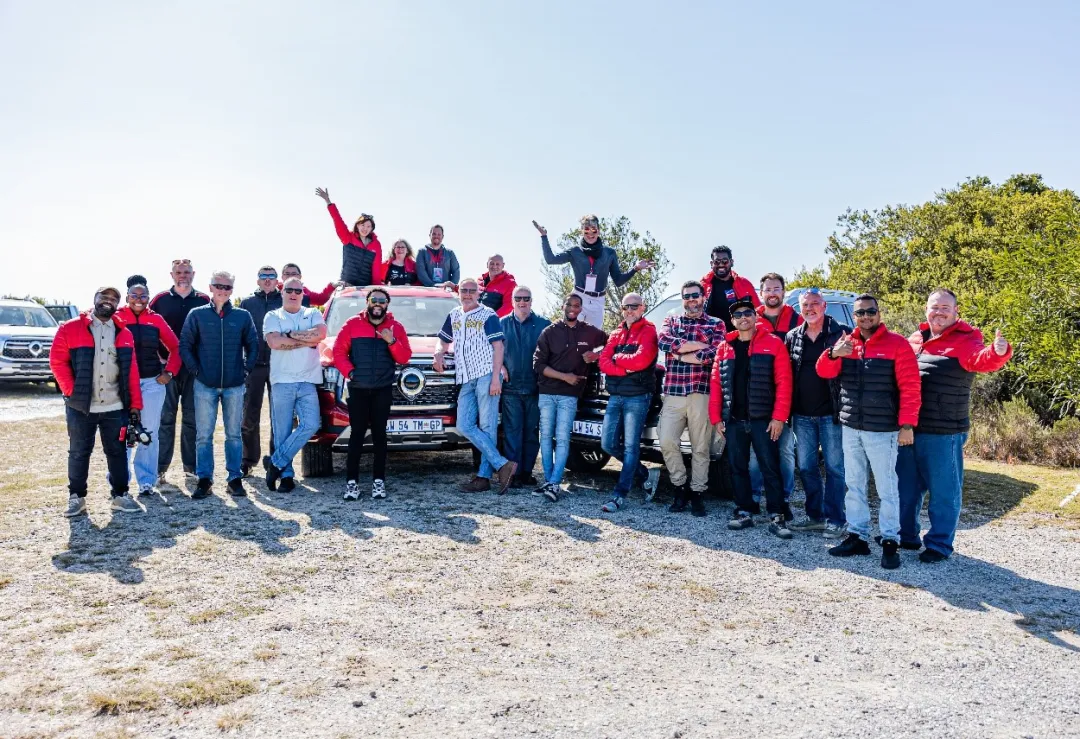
[[26, 316], [838, 313], [423, 316], [670, 307], [59, 312]]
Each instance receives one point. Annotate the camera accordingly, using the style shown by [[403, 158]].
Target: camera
[[136, 434]]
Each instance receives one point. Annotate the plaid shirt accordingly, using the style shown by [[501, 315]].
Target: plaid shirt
[[682, 378]]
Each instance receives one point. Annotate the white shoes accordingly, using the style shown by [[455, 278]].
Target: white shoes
[[352, 491], [378, 489]]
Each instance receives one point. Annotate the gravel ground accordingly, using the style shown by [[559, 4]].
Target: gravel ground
[[24, 401], [439, 613]]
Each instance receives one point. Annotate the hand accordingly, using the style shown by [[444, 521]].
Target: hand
[[1001, 346], [340, 284], [504, 374], [775, 429], [843, 346], [590, 356], [387, 335], [323, 193], [692, 346], [690, 359], [496, 386], [135, 416], [164, 378], [644, 265], [573, 380], [541, 229], [437, 362], [719, 427], [906, 438]]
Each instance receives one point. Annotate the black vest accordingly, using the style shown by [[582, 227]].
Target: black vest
[[869, 395], [356, 265], [761, 389], [833, 330], [373, 365], [946, 394], [147, 343]]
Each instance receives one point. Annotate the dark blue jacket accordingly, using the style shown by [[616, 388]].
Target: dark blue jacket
[[521, 338], [219, 350]]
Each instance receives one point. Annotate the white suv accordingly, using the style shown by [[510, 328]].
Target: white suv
[[26, 336]]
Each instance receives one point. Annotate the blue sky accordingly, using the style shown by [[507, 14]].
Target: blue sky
[[134, 133]]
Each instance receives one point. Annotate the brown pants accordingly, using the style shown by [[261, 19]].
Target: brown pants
[[680, 414]]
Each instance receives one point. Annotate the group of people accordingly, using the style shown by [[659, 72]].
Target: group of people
[[740, 368]]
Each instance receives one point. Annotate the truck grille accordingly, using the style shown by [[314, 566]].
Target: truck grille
[[440, 394], [27, 350]]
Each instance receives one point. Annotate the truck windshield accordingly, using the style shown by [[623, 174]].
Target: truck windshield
[[423, 316], [26, 316]]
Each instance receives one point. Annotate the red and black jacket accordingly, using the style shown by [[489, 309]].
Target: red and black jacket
[[879, 382], [742, 288], [787, 320], [769, 385], [152, 336], [358, 349], [947, 366], [361, 264], [497, 292], [629, 359], [72, 362], [411, 277]]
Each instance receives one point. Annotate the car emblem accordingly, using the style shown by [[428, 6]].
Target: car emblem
[[412, 382], [35, 348]]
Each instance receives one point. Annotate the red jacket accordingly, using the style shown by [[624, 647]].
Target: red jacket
[[350, 237], [788, 320], [629, 359], [72, 362], [358, 347], [321, 297], [151, 332], [743, 287], [410, 268], [770, 376], [497, 293]]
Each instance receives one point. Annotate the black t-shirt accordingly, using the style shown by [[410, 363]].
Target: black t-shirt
[[721, 297], [397, 275], [740, 393], [812, 397]]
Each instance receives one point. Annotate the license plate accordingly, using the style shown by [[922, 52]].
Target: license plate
[[413, 425], [589, 428]]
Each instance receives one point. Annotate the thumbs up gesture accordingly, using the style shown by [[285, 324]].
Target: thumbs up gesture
[[1000, 344], [843, 346]]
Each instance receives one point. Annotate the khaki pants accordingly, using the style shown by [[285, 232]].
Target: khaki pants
[[678, 414], [592, 309]]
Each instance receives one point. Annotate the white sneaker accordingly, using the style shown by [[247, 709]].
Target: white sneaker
[[147, 490], [352, 491], [125, 503], [378, 489], [76, 506]]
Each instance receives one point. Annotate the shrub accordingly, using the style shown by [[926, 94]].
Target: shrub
[[1012, 432]]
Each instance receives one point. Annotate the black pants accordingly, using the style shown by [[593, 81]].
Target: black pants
[[81, 428], [369, 408], [257, 381], [741, 435], [180, 393]]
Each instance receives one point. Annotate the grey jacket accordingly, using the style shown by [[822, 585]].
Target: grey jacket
[[425, 265], [606, 264]]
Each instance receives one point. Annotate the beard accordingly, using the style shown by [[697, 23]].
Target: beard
[[772, 302], [376, 313], [104, 311]]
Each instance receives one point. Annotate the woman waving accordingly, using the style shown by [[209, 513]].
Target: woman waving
[[361, 252]]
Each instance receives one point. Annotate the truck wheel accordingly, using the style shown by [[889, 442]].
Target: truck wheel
[[587, 459], [317, 460]]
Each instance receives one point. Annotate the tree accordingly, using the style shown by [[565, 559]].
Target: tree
[[630, 246]]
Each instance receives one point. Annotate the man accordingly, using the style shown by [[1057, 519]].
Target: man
[[563, 353], [477, 337], [367, 351], [723, 287], [497, 287], [322, 297], [689, 343], [293, 333], [174, 305], [593, 264], [152, 337], [520, 393], [219, 346], [629, 363], [949, 352], [815, 418], [879, 407], [749, 401], [436, 265], [93, 361]]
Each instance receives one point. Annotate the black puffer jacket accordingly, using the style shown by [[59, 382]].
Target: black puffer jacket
[[833, 330]]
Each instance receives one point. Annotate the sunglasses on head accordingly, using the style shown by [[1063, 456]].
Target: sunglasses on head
[[691, 296], [378, 300], [631, 306], [219, 286], [745, 313], [267, 276], [522, 299], [866, 312], [186, 262], [294, 290], [812, 291]]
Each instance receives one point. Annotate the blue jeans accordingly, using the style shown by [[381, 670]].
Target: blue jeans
[[934, 464], [81, 428], [866, 451], [206, 410], [521, 422], [623, 421], [289, 399], [146, 457], [556, 422], [741, 437], [813, 432], [478, 421], [787, 466]]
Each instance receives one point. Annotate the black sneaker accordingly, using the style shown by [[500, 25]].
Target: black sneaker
[[287, 485], [779, 527], [911, 546], [681, 499], [697, 505], [202, 490], [245, 470], [931, 556], [850, 546], [524, 481], [740, 520], [236, 488], [890, 554], [273, 474]]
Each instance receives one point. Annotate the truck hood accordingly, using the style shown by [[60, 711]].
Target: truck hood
[[422, 346], [27, 332]]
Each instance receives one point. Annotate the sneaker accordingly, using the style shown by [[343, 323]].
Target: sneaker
[[681, 500], [125, 503], [476, 484], [651, 484], [245, 470], [378, 489], [911, 546], [834, 531], [273, 474], [779, 527], [236, 488], [850, 546], [697, 505], [147, 490], [76, 506], [740, 520], [890, 554], [539, 489], [287, 485], [807, 524], [352, 491], [551, 492], [931, 556], [614, 504], [505, 475], [202, 490]]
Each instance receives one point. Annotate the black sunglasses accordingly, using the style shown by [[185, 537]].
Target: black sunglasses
[[219, 286], [691, 296], [631, 306], [866, 312], [294, 290], [721, 261], [522, 299], [747, 313], [378, 301]]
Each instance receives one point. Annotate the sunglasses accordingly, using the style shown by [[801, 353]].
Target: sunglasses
[[295, 290], [747, 313], [219, 286], [631, 306], [866, 312], [176, 262], [267, 276], [691, 296], [721, 262], [522, 299], [468, 290], [378, 301], [140, 297]]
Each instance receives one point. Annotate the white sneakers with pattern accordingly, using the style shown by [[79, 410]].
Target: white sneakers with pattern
[[378, 489], [352, 491]]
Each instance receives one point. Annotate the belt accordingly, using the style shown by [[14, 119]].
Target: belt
[[586, 292]]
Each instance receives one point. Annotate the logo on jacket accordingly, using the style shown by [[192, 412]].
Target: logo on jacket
[[730, 295]]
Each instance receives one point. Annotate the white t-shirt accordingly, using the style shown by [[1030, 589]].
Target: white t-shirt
[[294, 365]]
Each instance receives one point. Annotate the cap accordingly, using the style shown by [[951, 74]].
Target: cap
[[112, 290], [742, 303]]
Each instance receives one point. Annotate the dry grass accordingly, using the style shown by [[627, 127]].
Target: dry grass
[[210, 689], [267, 652], [129, 698], [234, 719], [1000, 488], [1012, 432]]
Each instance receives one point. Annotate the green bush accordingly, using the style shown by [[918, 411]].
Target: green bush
[[1012, 432]]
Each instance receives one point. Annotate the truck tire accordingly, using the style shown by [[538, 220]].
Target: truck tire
[[317, 460], [587, 459]]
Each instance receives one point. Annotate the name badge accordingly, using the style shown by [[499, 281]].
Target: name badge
[[437, 274], [590, 283]]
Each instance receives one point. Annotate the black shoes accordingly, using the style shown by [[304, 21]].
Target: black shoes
[[273, 474], [778, 527], [931, 556], [681, 499], [850, 547], [890, 554], [202, 490], [697, 505], [236, 488], [245, 470], [740, 520], [911, 546], [287, 485]]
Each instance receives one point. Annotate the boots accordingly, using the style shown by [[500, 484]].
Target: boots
[[681, 497], [697, 504]]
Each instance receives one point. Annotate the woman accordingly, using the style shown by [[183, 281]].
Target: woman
[[400, 266], [361, 252]]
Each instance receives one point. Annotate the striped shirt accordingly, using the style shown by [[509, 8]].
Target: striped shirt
[[682, 378], [473, 333]]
